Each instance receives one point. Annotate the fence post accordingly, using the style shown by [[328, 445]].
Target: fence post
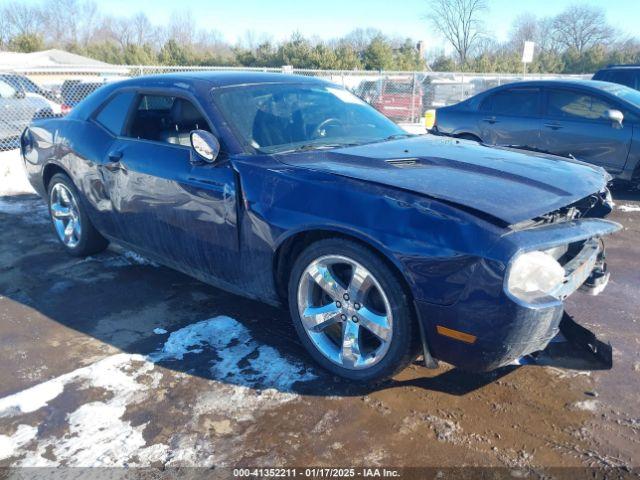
[[413, 99]]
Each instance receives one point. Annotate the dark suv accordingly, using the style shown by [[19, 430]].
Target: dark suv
[[628, 75]]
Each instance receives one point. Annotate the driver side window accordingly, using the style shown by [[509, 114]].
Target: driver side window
[[165, 118]]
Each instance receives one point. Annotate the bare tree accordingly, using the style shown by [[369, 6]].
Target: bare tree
[[22, 19], [459, 22], [143, 31], [5, 30], [57, 28], [88, 21], [525, 27], [580, 27], [182, 27]]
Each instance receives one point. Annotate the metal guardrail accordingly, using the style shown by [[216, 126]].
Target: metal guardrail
[[31, 93]]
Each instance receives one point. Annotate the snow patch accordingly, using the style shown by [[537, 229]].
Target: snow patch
[[248, 378], [124, 258], [159, 331], [9, 445], [13, 176], [630, 208], [241, 360], [587, 405]]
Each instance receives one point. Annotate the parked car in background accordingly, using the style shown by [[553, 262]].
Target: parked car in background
[[440, 92], [628, 75], [17, 109], [75, 92], [400, 99], [22, 82], [293, 191], [596, 122], [31, 90]]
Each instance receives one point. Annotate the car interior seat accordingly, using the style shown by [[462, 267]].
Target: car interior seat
[[184, 118]]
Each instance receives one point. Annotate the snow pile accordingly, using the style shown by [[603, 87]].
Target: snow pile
[[249, 378], [13, 177], [96, 435], [241, 360], [630, 208]]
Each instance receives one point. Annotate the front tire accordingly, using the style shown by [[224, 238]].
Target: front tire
[[69, 219], [351, 311]]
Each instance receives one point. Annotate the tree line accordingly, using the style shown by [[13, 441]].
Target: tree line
[[578, 40]]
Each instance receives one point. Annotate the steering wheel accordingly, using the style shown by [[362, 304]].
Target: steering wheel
[[322, 125]]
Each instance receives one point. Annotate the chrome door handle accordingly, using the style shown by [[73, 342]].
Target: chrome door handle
[[553, 126], [490, 120]]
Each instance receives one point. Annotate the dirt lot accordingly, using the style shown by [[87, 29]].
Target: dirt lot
[[112, 361]]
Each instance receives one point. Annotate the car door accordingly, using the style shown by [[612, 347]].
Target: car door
[[167, 203], [575, 124], [511, 117]]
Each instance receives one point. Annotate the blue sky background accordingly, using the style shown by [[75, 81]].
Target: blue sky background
[[333, 18]]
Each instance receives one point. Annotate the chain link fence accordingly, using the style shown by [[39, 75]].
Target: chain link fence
[[404, 97]]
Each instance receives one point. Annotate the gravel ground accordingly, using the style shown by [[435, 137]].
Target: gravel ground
[[112, 360]]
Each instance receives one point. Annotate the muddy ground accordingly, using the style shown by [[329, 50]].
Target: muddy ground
[[112, 360]]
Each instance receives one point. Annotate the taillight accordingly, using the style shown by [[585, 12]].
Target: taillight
[[64, 108]]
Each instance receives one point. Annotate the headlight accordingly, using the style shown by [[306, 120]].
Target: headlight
[[534, 274]]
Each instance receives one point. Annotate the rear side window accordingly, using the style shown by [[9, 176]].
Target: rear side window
[[166, 118], [576, 105], [516, 102], [113, 114]]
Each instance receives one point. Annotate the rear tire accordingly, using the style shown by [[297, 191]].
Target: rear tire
[[69, 218], [351, 311]]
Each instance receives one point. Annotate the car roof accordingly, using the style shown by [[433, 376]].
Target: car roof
[[593, 85], [558, 82], [186, 81], [635, 66], [223, 78]]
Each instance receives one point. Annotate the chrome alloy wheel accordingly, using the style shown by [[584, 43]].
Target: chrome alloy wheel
[[65, 215], [345, 312]]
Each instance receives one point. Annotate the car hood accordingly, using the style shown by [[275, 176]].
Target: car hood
[[509, 185]]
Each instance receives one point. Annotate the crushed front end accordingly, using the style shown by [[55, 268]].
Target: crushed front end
[[513, 305]]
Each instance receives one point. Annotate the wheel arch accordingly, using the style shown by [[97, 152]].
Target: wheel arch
[[295, 242], [49, 170]]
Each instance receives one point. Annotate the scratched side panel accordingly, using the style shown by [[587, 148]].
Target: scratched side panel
[[435, 246]]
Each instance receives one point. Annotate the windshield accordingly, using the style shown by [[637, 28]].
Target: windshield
[[625, 93], [276, 118]]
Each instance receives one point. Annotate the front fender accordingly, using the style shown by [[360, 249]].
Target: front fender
[[434, 245]]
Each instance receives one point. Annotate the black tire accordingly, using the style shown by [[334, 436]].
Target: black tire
[[90, 241], [405, 341]]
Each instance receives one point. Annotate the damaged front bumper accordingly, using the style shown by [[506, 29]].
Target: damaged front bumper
[[489, 327]]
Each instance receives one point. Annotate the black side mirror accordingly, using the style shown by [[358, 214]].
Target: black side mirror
[[206, 145]]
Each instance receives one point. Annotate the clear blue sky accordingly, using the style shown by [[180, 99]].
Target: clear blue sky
[[332, 18]]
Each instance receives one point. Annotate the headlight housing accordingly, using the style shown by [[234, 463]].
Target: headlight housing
[[533, 275]]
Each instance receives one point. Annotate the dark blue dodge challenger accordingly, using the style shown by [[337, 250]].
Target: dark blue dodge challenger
[[293, 191]]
